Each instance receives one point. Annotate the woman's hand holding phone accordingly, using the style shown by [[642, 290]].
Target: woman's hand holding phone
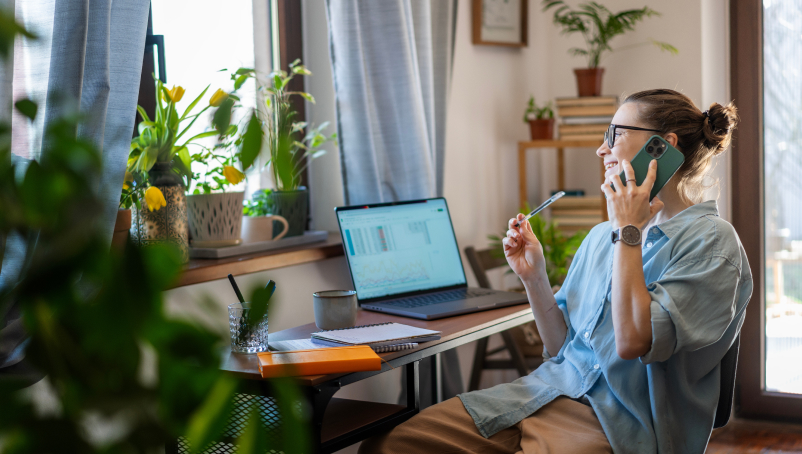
[[630, 204], [523, 251]]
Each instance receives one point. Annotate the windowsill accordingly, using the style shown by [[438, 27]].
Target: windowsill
[[203, 270]]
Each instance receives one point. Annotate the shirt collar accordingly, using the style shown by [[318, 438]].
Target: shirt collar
[[686, 216]]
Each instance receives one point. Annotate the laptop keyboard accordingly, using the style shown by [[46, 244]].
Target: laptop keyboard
[[436, 298]]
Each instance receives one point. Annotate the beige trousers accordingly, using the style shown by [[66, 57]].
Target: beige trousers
[[563, 426]]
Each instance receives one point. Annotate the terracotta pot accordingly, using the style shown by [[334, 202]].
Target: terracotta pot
[[542, 129], [168, 224], [215, 220], [589, 81], [256, 229], [121, 227]]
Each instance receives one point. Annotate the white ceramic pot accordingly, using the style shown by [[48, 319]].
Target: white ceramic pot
[[260, 228], [215, 220]]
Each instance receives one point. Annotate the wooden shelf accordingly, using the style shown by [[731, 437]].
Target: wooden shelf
[[560, 145], [345, 415], [204, 270]]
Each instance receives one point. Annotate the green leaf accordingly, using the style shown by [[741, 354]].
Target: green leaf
[[27, 108], [142, 113], [278, 83], [242, 71], [222, 116], [194, 102], [251, 143], [209, 421], [240, 81], [307, 97]]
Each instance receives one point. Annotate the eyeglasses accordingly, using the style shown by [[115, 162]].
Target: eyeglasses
[[609, 135]]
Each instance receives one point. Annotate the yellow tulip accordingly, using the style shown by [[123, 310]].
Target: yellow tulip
[[155, 198], [217, 98], [176, 93], [233, 175], [129, 178]]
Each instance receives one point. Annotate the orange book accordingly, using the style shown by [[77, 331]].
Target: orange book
[[318, 361]]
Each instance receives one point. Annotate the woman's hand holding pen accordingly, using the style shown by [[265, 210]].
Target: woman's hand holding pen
[[630, 204], [523, 251]]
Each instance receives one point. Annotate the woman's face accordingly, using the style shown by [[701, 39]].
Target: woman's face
[[627, 141]]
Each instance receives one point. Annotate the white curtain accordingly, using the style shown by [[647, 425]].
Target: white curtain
[[391, 62], [87, 56]]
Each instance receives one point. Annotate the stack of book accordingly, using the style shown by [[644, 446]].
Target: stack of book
[[585, 118], [572, 214]]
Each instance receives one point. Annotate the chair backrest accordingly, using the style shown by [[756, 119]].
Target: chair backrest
[[728, 366], [482, 260]]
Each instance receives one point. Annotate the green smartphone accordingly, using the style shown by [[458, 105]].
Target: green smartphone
[[669, 160]]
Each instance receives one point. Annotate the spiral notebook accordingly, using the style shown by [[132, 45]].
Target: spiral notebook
[[379, 335], [308, 344]]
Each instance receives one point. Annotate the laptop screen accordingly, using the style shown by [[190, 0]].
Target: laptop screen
[[400, 248]]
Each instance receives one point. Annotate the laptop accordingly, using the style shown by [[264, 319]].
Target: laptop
[[404, 260]]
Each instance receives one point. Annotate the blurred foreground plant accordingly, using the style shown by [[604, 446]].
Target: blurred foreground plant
[[124, 376]]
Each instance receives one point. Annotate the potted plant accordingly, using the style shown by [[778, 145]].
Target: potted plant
[[160, 168], [215, 213], [290, 149], [540, 119], [598, 26], [258, 220]]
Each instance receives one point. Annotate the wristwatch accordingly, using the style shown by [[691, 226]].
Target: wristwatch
[[629, 234]]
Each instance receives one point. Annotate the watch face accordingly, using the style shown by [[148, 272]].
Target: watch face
[[630, 234]]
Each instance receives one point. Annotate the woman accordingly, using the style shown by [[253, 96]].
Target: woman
[[635, 335]]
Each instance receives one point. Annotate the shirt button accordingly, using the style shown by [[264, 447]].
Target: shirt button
[[649, 244], [595, 366], [655, 231], [587, 334]]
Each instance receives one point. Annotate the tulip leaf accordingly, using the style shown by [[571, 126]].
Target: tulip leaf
[[222, 116], [194, 102]]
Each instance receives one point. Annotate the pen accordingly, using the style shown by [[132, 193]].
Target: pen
[[543, 205], [236, 289]]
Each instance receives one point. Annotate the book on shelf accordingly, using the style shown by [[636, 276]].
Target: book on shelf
[[600, 128], [587, 101], [577, 202], [584, 222], [584, 211], [588, 120], [586, 111], [595, 136]]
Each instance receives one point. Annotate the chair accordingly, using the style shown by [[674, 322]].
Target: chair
[[727, 392], [523, 343]]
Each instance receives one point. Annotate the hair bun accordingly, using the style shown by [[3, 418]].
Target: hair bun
[[718, 122]]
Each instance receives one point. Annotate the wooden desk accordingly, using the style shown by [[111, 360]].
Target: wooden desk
[[338, 423]]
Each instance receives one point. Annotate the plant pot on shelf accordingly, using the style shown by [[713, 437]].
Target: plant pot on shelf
[[168, 224], [121, 230], [292, 206], [542, 129], [256, 229], [215, 220], [589, 81]]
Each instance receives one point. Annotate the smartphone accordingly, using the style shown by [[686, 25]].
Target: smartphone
[[669, 160]]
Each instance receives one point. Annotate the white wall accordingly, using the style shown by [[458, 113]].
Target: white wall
[[489, 91]]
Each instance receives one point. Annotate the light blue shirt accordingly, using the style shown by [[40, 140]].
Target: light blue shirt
[[699, 280]]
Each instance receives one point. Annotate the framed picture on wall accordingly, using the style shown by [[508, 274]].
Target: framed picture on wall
[[500, 22]]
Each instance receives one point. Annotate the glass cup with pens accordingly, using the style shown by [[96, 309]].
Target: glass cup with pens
[[249, 331]]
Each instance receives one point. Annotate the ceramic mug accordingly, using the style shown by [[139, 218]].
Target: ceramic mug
[[260, 228], [335, 309]]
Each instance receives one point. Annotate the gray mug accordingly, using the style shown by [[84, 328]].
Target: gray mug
[[335, 309]]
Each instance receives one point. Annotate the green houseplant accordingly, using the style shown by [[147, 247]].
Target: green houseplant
[[291, 144], [598, 26], [540, 119], [159, 169]]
